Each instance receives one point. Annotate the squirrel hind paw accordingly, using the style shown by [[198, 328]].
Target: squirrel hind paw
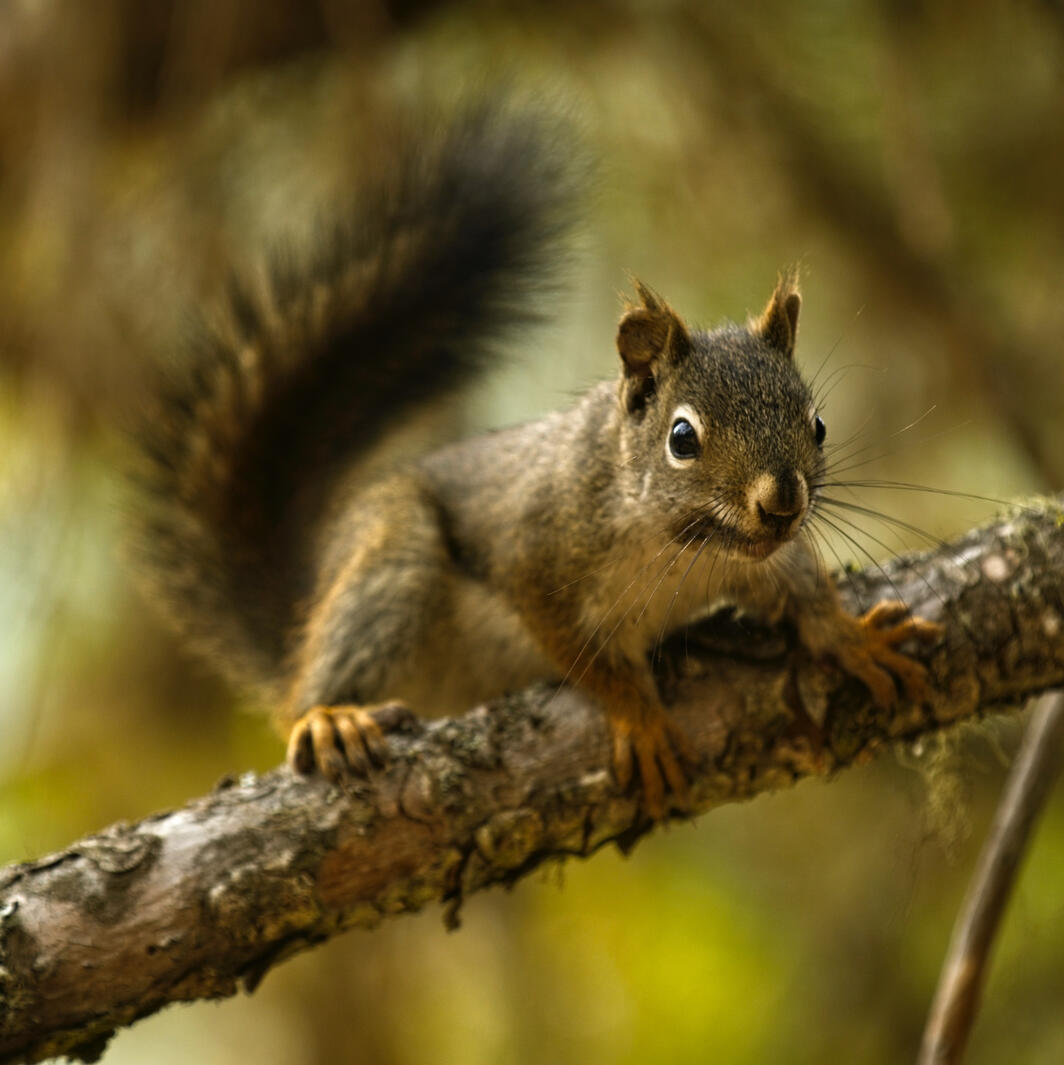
[[337, 741]]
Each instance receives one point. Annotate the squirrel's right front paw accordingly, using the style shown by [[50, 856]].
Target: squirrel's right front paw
[[655, 746], [335, 741]]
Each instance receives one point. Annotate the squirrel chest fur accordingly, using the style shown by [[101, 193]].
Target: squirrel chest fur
[[561, 550]]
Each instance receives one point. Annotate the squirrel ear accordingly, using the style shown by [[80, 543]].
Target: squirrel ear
[[778, 324], [649, 333]]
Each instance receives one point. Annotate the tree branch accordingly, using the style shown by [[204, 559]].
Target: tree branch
[[194, 903]]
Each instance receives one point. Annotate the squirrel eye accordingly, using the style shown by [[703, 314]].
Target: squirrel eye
[[820, 429], [683, 440]]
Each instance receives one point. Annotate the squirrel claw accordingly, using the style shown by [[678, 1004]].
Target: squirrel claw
[[872, 658], [336, 741], [656, 746]]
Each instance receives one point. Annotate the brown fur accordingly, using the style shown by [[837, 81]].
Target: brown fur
[[563, 549], [567, 547]]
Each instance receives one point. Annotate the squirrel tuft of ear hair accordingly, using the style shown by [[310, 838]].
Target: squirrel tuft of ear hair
[[778, 325], [650, 333]]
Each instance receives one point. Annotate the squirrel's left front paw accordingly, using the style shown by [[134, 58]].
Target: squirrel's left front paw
[[337, 740], [872, 656]]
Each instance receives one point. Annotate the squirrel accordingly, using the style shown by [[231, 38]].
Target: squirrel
[[508, 558]]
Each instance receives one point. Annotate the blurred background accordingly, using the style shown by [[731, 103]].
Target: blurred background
[[910, 155]]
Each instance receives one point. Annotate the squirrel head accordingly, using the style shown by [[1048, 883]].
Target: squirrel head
[[718, 429]]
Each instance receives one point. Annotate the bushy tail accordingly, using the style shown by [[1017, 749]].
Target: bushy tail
[[449, 246]]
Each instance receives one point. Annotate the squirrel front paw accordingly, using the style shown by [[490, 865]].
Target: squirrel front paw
[[655, 746], [339, 740], [870, 653]]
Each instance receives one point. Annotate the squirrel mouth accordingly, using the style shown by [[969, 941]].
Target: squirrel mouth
[[757, 549], [736, 542]]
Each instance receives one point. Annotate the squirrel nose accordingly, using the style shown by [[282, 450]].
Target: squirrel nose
[[778, 501]]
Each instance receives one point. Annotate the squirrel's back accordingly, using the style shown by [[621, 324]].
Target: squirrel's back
[[450, 240]]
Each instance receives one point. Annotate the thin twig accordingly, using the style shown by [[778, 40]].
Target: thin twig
[[964, 971]]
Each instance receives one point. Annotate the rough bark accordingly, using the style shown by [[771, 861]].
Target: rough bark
[[203, 900]]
